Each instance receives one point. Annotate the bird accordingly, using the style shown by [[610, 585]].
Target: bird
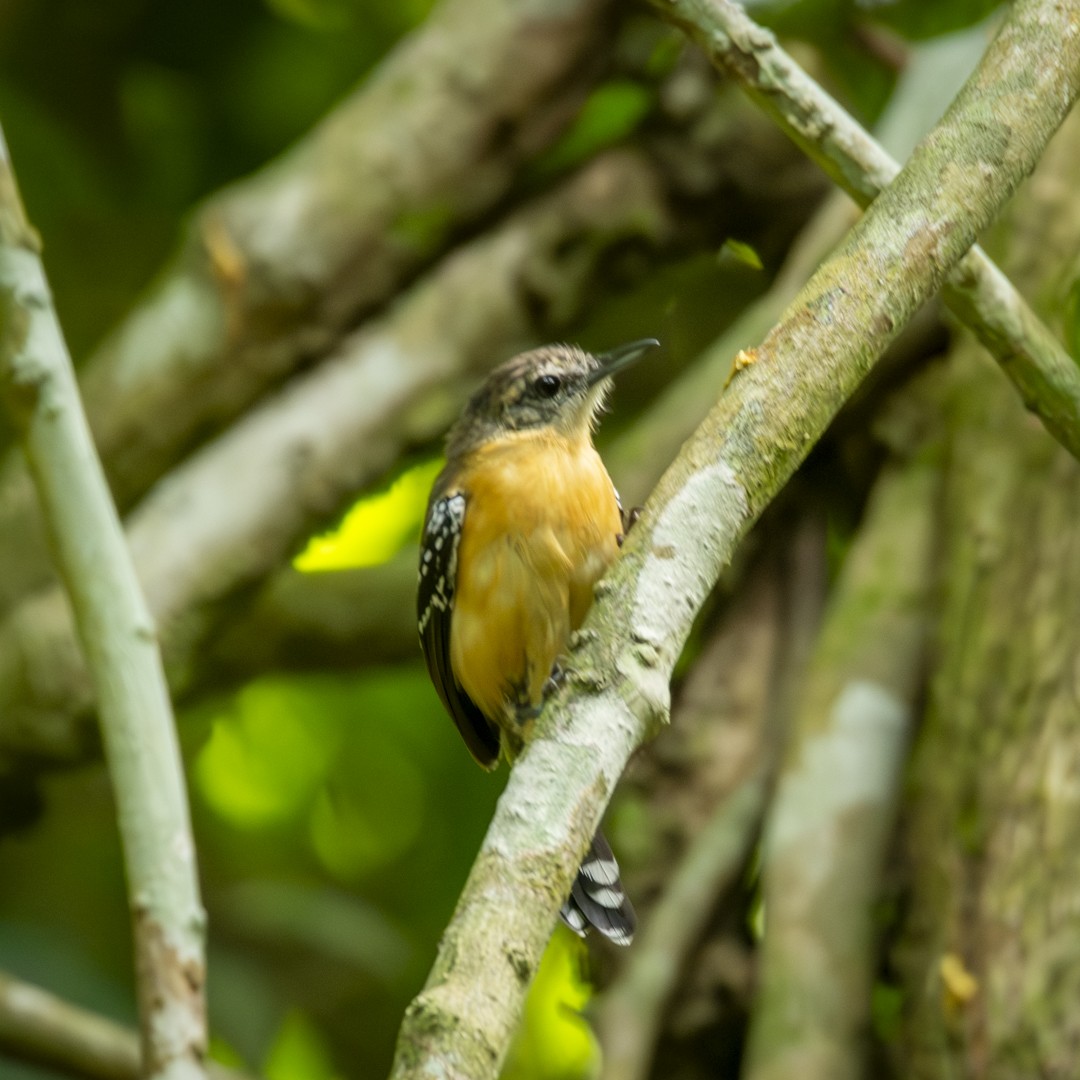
[[521, 523]]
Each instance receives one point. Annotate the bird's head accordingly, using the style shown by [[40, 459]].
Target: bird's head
[[556, 386]]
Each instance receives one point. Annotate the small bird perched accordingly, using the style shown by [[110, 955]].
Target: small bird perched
[[521, 524]]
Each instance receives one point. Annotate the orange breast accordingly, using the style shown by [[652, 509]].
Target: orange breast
[[541, 527]]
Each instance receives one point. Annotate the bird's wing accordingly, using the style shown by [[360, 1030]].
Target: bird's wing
[[435, 606]]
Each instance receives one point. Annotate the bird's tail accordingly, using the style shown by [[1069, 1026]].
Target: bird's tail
[[598, 899]]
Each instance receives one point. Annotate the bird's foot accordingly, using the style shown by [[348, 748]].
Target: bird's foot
[[629, 520], [557, 677]]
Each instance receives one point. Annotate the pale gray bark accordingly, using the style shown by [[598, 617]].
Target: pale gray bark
[[117, 636]]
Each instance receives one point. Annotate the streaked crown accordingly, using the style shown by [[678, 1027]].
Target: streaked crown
[[559, 386]]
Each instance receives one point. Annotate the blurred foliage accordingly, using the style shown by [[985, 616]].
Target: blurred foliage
[[336, 817], [377, 527], [610, 113], [819, 20], [554, 1041], [299, 1053]]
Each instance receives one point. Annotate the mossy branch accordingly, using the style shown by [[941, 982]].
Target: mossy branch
[[119, 642], [775, 409]]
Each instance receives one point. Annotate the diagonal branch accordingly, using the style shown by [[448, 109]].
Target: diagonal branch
[[1047, 378], [118, 639], [711, 786], [276, 268], [751, 442]]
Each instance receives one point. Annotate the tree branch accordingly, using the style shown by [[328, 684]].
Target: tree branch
[[117, 636], [242, 505], [204, 538], [1047, 378], [432, 139], [638, 457], [38, 1028], [777, 406], [991, 790], [833, 811]]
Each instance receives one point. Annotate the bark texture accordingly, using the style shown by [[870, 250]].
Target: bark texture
[[988, 957], [117, 637]]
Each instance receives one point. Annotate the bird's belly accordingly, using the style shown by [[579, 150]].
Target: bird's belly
[[509, 626], [526, 571]]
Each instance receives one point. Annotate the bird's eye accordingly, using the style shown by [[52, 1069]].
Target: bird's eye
[[547, 385]]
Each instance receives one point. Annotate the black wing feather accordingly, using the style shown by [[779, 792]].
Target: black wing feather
[[435, 605]]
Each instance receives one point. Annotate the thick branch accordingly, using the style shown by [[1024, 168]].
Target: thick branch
[[277, 267], [38, 1028], [117, 637], [834, 808], [1047, 378], [988, 948], [752, 441]]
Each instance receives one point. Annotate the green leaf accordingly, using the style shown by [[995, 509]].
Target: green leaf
[[608, 116], [377, 527], [741, 252]]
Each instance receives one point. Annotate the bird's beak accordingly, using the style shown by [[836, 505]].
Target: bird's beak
[[620, 358]]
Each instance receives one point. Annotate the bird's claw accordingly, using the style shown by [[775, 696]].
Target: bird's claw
[[555, 679]]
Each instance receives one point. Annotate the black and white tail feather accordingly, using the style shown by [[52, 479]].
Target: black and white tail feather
[[598, 899]]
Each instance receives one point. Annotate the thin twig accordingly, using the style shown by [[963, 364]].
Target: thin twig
[[775, 409], [39, 1028], [1047, 378], [118, 639]]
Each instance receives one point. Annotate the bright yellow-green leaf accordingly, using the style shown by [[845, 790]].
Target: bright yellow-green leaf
[[377, 527], [554, 1041], [299, 1053], [741, 252]]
